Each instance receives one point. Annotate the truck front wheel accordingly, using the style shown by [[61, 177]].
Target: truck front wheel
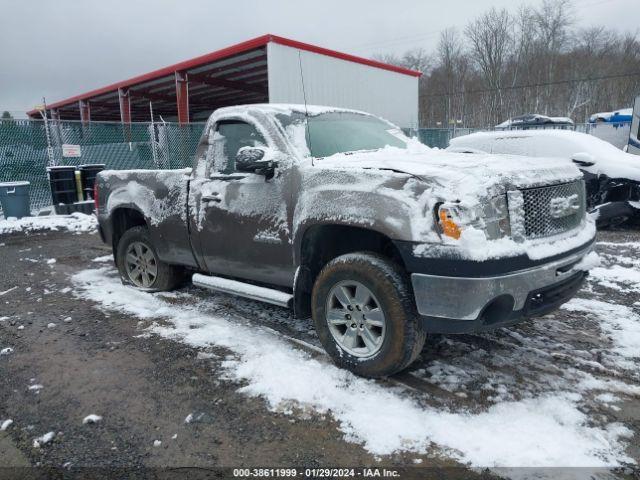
[[139, 265], [365, 316]]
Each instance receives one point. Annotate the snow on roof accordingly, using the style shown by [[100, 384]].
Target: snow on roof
[[534, 119], [616, 115], [288, 108]]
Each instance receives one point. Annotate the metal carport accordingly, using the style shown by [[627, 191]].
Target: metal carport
[[265, 69]]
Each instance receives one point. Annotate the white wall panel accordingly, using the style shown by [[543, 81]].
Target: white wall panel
[[335, 82]]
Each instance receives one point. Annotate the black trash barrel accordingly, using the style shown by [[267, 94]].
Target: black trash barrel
[[88, 178], [63, 187], [14, 197]]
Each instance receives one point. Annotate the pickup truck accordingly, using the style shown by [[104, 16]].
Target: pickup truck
[[338, 215]]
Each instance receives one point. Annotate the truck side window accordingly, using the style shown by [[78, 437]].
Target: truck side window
[[230, 136]]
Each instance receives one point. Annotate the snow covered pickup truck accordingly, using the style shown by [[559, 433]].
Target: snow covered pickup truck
[[339, 216]]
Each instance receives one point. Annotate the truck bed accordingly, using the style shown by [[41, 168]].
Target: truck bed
[[161, 196]]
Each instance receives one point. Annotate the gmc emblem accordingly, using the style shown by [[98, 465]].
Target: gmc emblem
[[560, 207]]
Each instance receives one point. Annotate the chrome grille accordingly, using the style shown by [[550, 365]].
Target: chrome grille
[[553, 209]]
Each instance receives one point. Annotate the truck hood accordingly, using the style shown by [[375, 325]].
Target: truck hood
[[460, 173]]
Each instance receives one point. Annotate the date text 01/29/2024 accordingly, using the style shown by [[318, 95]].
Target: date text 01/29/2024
[[315, 473]]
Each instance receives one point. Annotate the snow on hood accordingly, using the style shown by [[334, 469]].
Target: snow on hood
[[608, 159], [464, 176]]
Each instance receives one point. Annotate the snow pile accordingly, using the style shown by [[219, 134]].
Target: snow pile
[[6, 351], [93, 418], [546, 430], [5, 424], [76, 222], [43, 440]]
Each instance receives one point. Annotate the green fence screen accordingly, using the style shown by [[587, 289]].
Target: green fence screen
[[27, 147]]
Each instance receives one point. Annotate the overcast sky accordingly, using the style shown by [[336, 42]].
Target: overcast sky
[[61, 48]]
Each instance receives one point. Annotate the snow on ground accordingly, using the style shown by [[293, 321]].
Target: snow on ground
[[93, 418], [534, 383], [104, 258], [76, 222], [7, 291], [43, 440], [618, 321], [627, 277], [5, 424]]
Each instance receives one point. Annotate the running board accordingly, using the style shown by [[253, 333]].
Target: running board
[[246, 290]]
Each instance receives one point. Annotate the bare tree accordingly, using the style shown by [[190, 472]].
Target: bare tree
[[452, 63], [491, 40], [415, 59], [534, 61]]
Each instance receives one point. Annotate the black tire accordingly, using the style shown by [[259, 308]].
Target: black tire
[[403, 338], [167, 277], [612, 223]]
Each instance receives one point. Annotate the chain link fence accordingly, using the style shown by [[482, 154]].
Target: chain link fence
[[27, 147]]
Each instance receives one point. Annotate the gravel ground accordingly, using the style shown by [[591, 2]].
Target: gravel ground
[[72, 358]]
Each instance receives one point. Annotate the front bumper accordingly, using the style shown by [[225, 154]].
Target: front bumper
[[450, 304]]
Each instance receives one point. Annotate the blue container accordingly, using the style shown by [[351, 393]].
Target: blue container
[[14, 197]]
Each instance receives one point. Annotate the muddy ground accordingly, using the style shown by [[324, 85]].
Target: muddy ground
[[144, 386]]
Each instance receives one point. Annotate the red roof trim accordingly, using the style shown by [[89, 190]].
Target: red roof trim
[[224, 53], [342, 56]]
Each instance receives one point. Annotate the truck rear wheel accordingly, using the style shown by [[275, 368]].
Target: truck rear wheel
[[365, 316], [139, 265]]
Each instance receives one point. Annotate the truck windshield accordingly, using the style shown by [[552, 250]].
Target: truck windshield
[[344, 132]]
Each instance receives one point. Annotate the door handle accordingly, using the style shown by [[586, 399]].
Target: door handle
[[227, 178], [213, 197]]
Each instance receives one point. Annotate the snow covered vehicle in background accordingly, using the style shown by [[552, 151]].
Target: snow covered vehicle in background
[[339, 216], [634, 133], [617, 116], [613, 127], [535, 120], [612, 176]]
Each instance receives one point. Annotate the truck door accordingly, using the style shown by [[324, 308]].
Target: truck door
[[239, 221]]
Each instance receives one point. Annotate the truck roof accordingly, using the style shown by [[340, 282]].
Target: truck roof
[[275, 108]]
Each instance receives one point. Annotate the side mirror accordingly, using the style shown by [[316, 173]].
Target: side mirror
[[252, 159], [583, 159]]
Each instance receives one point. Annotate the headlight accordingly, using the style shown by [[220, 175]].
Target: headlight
[[453, 217], [447, 220], [492, 218], [496, 216]]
